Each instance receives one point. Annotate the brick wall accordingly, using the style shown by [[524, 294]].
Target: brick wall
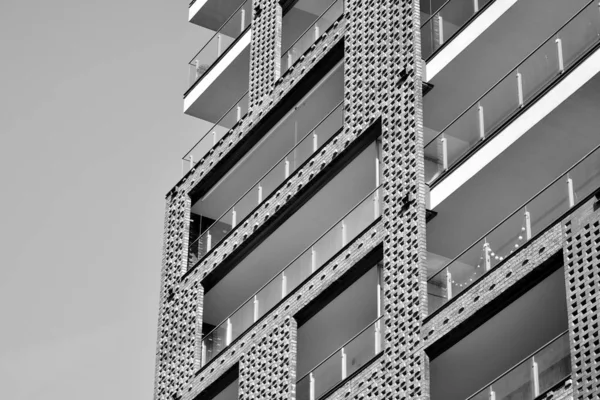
[[582, 273]]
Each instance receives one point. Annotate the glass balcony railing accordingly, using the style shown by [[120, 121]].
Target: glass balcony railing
[[296, 272], [441, 27], [254, 196], [220, 42], [312, 34], [533, 376], [345, 361], [212, 136], [541, 211], [516, 90]]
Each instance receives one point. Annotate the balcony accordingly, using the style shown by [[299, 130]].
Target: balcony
[[450, 277], [336, 215], [534, 376], [550, 74], [450, 26], [219, 72], [520, 353], [284, 149], [349, 329], [303, 25]]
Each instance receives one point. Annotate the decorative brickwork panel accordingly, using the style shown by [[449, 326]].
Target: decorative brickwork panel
[[265, 50], [582, 273], [493, 284], [404, 271], [268, 368]]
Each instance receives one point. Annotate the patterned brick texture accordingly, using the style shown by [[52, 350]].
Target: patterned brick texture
[[582, 264], [382, 83], [268, 368]]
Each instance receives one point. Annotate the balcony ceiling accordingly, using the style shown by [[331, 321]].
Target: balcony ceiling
[[214, 13]]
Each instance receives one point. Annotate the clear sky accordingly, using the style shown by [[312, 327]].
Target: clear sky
[[91, 135]]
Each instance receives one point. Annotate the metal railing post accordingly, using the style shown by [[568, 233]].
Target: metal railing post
[[444, 153], [203, 351], [476, 6], [486, 255], [315, 142], [311, 378], [219, 43], [492, 394], [283, 285], [520, 88], [344, 234], [313, 259], [256, 305], [344, 370], [448, 284], [570, 191], [481, 121], [535, 378], [208, 242], [317, 34], [260, 194], [191, 161], [527, 224], [440, 29], [287, 168], [243, 18], [233, 218], [561, 63], [229, 333]]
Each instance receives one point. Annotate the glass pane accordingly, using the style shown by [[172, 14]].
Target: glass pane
[[298, 271], [580, 34], [461, 135], [427, 38], [303, 388], [246, 204], [272, 180], [328, 245], [433, 160], [242, 319], [500, 103], [328, 374], [539, 69], [269, 296], [554, 362], [549, 205], [214, 342], [313, 33], [516, 385], [360, 218], [360, 350], [586, 177]]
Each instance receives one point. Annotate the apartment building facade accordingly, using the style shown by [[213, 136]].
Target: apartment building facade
[[395, 200]]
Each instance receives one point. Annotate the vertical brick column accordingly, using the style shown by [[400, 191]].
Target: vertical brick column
[[405, 270], [179, 312], [265, 49], [383, 80], [268, 369], [582, 274]]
